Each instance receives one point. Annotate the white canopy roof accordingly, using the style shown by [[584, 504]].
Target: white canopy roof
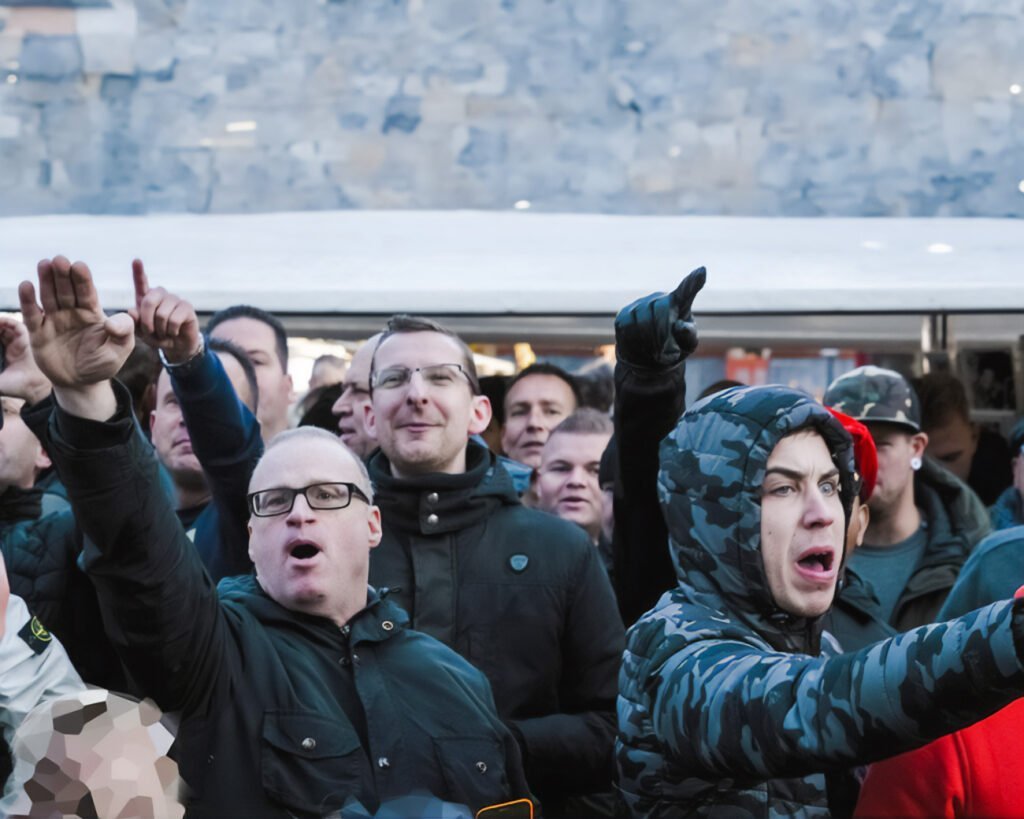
[[359, 263]]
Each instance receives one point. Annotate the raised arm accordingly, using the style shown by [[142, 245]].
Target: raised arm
[[159, 608], [20, 376], [225, 434], [653, 337]]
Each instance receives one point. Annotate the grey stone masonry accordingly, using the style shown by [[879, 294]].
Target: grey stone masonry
[[789, 107]]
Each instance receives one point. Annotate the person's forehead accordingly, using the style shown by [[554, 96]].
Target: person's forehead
[[951, 426], [359, 367], [540, 387], [248, 333], [797, 450], [304, 459], [575, 447], [234, 372], [884, 431], [163, 386], [418, 349]]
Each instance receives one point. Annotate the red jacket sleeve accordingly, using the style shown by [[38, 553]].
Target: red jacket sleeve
[[927, 782]]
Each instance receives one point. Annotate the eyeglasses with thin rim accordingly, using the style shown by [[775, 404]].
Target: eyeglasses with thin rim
[[435, 375], [280, 500]]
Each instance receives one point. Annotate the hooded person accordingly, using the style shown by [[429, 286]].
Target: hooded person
[[732, 701]]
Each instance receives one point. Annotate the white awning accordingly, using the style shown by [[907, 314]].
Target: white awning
[[371, 263]]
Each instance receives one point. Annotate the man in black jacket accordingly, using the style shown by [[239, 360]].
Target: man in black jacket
[[299, 691], [519, 593]]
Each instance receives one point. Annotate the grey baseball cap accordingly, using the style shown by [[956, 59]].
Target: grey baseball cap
[[873, 394]]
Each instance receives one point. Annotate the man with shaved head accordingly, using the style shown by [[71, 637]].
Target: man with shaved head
[[301, 690]]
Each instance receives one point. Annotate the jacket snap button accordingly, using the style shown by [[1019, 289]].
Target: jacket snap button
[[308, 744], [346, 629], [432, 519], [383, 762], [482, 767], [387, 625], [433, 498]]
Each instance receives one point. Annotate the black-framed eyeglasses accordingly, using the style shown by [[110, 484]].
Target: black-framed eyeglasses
[[435, 375], [280, 500]]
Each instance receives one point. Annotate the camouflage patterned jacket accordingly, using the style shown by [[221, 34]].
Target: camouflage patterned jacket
[[727, 705]]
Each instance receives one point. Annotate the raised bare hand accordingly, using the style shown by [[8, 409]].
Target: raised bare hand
[[164, 320], [20, 377], [73, 342]]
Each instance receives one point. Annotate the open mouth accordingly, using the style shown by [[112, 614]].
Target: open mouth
[[304, 551], [817, 560]]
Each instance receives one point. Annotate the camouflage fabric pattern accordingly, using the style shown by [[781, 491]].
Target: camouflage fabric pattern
[[728, 706], [875, 394]]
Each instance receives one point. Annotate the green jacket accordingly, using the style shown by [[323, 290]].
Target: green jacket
[[282, 714], [957, 520]]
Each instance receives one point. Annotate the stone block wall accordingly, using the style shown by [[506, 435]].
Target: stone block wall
[[794, 107]]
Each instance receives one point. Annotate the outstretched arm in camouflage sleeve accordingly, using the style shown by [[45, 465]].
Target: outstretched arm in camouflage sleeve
[[729, 709]]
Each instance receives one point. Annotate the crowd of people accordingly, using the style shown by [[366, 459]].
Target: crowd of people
[[764, 605]]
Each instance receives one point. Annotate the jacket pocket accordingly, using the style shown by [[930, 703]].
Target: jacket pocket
[[312, 764], [473, 770]]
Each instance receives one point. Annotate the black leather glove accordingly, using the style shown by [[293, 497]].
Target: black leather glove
[[658, 331]]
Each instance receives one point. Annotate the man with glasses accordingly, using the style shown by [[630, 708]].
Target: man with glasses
[[300, 689], [519, 593]]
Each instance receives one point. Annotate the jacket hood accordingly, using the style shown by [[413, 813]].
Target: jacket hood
[[712, 468]]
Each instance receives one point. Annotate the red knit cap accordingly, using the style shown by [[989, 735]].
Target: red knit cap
[[865, 455]]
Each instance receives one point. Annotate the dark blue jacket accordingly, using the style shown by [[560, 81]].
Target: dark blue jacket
[[226, 441], [994, 571], [1007, 511]]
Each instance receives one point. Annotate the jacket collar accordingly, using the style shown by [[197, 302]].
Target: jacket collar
[[378, 621], [20, 504], [439, 503]]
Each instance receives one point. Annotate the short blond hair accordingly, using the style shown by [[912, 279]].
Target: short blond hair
[[325, 437]]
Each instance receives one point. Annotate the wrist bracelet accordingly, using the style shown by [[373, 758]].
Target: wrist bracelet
[[186, 366]]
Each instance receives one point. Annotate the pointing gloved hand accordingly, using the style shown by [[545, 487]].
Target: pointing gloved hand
[[658, 331]]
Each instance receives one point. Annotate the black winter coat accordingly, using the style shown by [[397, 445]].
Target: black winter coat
[[40, 554], [273, 702], [523, 596]]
